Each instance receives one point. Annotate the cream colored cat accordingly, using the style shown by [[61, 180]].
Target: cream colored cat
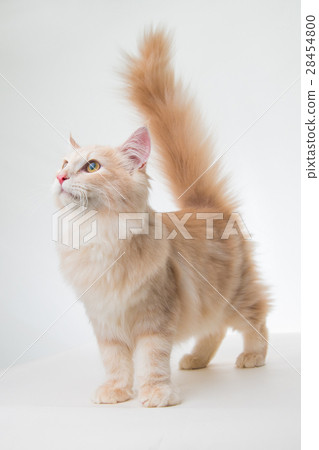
[[144, 294]]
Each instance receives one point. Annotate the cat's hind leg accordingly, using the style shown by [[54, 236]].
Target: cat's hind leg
[[251, 305], [203, 351]]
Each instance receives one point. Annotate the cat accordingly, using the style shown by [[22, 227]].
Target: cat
[[143, 294]]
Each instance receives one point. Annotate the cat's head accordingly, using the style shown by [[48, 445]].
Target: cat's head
[[105, 178]]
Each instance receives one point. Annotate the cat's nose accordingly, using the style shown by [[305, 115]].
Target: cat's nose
[[61, 178]]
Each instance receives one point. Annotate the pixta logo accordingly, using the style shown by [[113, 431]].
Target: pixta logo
[[139, 223], [72, 225]]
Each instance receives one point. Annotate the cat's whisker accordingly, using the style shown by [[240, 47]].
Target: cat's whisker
[[79, 191], [102, 193]]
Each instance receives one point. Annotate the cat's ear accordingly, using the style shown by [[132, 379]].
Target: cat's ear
[[73, 143], [137, 149]]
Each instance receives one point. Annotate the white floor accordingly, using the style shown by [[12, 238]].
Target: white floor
[[46, 405]]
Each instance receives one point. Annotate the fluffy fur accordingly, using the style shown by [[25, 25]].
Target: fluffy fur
[[160, 291]]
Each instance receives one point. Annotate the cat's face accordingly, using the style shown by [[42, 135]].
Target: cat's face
[[105, 178]]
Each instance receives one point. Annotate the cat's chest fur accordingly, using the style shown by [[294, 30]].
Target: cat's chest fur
[[112, 286], [113, 313]]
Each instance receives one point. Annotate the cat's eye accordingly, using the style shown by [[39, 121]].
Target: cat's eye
[[64, 163], [92, 166]]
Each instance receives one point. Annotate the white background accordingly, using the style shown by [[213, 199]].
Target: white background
[[239, 57], [309, 245]]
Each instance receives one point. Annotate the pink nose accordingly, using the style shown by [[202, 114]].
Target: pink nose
[[61, 178]]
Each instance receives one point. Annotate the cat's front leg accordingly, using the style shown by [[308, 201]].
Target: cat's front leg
[[152, 359], [117, 360]]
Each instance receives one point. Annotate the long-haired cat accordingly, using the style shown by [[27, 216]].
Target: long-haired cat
[[151, 290]]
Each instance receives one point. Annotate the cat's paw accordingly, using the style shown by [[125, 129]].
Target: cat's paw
[[157, 395], [189, 362], [249, 360], [108, 393]]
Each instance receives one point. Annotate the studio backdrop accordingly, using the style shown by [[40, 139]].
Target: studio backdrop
[[58, 74]]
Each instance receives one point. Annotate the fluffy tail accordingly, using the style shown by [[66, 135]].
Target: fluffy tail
[[175, 124]]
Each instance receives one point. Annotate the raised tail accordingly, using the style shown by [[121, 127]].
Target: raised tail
[[175, 124]]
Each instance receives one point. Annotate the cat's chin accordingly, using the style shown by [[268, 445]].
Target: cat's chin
[[64, 198]]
